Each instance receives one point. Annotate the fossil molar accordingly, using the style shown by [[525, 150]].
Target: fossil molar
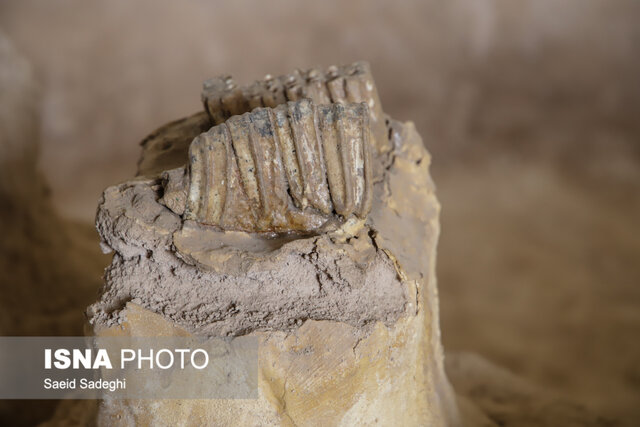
[[296, 167], [345, 84]]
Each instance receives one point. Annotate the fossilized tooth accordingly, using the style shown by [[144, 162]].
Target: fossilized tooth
[[344, 84], [292, 168]]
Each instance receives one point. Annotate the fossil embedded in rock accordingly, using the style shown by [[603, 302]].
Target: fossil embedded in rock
[[345, 84], [295, 167], [358, 305]]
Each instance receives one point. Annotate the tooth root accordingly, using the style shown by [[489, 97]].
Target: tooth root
[[294, 93], [239, 130], [196, 176], [365, 171], [349, 128], [254, 96], [359, 87], [357, 168], [336, 90], [310, 159], [332, 142], [238, 212], [269, 170], [352, 85], [332, 72], [316, 88], [215, 110], [293, 84], [274, 94], [233, 102], [284, 137], [255, 101], [211, 97], [216, 183], [208, 169]]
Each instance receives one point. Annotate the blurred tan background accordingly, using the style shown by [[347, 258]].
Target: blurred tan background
[[530, 108]]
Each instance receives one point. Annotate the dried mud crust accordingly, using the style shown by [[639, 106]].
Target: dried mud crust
[[228, 290]]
